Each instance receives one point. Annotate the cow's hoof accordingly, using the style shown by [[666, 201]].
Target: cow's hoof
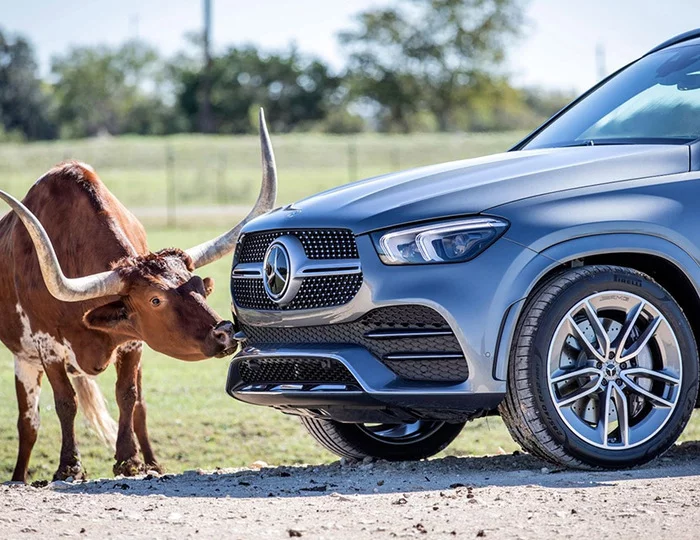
[[154, 467], [70, 471], [128, 467]]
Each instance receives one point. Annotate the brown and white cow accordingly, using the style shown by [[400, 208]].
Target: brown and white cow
[[80, 290]]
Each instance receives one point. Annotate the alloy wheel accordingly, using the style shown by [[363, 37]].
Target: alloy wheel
[[614, 370]]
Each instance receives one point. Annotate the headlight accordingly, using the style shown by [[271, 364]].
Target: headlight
[[448, 241]]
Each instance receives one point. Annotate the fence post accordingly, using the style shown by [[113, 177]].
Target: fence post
[[395, 159], [352, 161], [221, 179], [170, 187]]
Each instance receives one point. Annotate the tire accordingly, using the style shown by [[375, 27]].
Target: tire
[[356, 441], [556, 425]]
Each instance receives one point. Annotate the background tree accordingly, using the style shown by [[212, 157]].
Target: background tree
[[294, 91], [544, 103], [24, 103], [425, 53], [416, 65], [106, 90]]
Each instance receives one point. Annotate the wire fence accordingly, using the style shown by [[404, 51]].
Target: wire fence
[[178, 179]]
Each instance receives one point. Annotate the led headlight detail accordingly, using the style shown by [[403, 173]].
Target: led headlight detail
[[450, 241]]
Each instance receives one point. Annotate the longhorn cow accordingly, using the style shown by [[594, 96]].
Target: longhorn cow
[[80, 290]]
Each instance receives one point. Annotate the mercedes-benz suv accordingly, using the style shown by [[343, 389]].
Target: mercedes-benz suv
[[555, 284]]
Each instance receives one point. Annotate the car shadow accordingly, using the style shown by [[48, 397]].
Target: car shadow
[[347, 480]]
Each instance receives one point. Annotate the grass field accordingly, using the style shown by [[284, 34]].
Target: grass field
[[204, 170], [193, 423]]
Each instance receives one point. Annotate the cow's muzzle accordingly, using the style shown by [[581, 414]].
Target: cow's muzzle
[[222, 334]]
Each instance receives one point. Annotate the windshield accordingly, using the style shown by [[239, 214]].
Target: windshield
[[655, 100]]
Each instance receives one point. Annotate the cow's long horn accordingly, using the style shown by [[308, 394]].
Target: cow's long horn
[[218, 247], [63, 288]]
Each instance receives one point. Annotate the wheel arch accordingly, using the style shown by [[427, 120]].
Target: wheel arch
[[665, 262]]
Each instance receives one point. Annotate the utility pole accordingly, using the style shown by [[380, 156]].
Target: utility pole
[[602, 71], [134, 26], [206, 124]]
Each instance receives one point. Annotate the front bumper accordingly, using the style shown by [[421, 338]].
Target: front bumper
[[473, 298], [379, 395]]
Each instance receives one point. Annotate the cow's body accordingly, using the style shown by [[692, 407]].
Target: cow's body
[[90, 230], [79, 290]]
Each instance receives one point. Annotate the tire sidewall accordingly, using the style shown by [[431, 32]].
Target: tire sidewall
[[424, 448], [634, 283]]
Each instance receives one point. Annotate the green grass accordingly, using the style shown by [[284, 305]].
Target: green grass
[[193, 423], [222, 169]]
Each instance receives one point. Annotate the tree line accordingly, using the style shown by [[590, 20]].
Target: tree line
[[417, 65]]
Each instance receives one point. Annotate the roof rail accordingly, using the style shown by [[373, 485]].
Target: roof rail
[[685, 36]]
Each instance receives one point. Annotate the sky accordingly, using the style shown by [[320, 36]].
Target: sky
[[559, 48]]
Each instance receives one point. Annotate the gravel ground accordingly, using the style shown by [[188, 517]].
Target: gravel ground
[[513, 496]]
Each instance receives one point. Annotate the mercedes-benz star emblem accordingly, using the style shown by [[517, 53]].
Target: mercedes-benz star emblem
[[276, 268]]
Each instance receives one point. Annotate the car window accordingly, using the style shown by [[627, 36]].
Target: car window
[[655, 100]]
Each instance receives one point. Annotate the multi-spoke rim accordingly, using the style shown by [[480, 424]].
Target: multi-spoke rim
[[614, 370], [402, 433]]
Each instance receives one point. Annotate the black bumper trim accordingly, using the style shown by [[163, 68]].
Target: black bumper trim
[[335, 404]]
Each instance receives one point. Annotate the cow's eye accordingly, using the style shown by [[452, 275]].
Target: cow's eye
[[155, 301]]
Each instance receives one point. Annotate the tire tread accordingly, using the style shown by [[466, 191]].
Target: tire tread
[[519, 409]]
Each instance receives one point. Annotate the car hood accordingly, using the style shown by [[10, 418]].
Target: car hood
[[474, 185]]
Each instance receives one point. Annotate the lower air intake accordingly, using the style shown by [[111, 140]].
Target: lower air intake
[[415, 342], [294, 370]]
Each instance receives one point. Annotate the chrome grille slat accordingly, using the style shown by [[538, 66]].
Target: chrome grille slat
[[407, 334], [423, 356]]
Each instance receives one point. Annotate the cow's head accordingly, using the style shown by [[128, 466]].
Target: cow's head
[[156, 297], [164, 304]]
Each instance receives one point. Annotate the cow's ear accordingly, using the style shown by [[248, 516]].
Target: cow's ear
[[208, 285], [112, 317]]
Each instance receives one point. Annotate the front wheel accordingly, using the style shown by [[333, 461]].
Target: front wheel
[[603, 372], [393, 442]]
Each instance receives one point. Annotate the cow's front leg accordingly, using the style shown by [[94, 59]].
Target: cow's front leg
[[141, 429], [127, 454], [66, 408], [28, 386]]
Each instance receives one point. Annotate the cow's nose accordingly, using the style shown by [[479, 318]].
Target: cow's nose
[[223, 334]]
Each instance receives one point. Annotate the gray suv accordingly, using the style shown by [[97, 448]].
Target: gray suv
[[556, 284]]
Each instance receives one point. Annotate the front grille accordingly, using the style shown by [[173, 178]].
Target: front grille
[[294, 370], [315, 292], [318, 244], [415, 342]]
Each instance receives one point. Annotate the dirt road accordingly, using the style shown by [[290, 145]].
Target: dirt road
[[493, 497]]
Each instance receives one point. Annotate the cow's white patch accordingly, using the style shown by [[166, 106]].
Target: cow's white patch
[[28, 375], [131, 346], [40, 348]]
